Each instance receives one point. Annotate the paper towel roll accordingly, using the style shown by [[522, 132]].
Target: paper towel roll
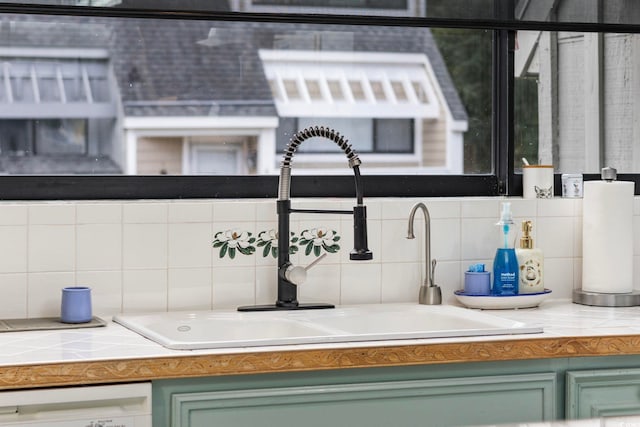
[[607, 237]]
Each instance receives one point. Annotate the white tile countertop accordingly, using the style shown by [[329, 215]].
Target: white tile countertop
[[559, 318]]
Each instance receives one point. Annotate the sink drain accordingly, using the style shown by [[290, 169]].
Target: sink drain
[[184, 328]]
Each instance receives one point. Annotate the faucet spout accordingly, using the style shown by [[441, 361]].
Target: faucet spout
[[429, 292], [428, 280], [287, 287]]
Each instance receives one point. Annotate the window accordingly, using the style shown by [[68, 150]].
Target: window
[[382, 136], [56, 107], [42, 137], [578, 96], [464, 124]]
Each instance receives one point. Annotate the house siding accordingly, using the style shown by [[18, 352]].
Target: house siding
[[159, 156]]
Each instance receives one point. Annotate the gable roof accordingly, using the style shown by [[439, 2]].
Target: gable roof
[[217, 69], [202, 68]]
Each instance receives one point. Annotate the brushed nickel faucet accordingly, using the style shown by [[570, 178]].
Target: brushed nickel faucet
[[290, 276], [430, 293]]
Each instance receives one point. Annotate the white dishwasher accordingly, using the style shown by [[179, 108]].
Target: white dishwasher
[[121, 405]]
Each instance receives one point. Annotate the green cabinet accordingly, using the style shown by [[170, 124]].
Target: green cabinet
[[459, 394], [370, 397], [603, 393]]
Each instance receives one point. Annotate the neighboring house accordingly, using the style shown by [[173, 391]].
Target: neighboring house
[[58, 99], [186, 97], [588, 87]]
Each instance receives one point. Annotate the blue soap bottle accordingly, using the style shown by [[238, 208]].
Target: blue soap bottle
[[505, 263]]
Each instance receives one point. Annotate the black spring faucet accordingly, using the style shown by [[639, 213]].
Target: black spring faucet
[[290, 276]]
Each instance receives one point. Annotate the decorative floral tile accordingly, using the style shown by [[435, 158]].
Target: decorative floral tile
[[314, 240], [268, 241], [232, 241]]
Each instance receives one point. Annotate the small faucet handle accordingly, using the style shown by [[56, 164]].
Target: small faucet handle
[[298, 275]]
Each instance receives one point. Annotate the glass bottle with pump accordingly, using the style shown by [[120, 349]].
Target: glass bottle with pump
[[531, 262], [505, 263]]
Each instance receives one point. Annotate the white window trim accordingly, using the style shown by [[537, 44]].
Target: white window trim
[[248, 6], [298, 66], [36, 108]]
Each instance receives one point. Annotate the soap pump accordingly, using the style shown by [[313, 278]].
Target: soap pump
[[505, 263], [531, 262]]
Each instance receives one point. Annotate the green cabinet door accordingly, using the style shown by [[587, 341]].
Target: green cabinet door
[[424, 402], [603, 393]]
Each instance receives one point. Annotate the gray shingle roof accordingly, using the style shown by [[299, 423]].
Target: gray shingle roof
[[162, 66], [165, 60]]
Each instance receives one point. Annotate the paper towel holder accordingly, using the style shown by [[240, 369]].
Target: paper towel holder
[[628, 299], [597, 299]]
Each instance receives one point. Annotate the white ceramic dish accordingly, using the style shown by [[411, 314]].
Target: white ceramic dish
[[373, 322], [502, 302]]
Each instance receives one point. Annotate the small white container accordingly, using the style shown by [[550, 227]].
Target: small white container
[[572, 185], [537, 181]]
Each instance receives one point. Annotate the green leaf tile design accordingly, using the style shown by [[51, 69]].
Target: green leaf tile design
[[231, 242], [315, 240]]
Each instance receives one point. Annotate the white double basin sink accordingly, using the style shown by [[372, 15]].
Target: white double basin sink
[[371, 322]]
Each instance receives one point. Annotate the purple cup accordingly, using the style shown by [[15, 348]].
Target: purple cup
[[76, 305], [477, 283]]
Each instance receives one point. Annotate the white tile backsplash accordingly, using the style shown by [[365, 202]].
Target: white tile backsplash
[[558, 276], [400, 282], [99, 213], [322, 285], [189, 245], [12, 214], [13, 249], [144, 246], [189, 289], [481, 208], [479, 238], [99, 247], [44, 292], [187, 212], [106, 290], [51, 248], [360, 283], [230, 211], [235, 287], [145, 213], [394, 245], [158, 255], [555, 236], [144, 290], [47, 213], [14, 296]]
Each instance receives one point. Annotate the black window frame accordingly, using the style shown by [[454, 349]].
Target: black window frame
[[502, 182]]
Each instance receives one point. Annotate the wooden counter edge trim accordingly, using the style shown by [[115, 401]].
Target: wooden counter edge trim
[[144, 369]]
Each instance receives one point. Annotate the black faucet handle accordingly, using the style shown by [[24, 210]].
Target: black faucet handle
[[360, 250]]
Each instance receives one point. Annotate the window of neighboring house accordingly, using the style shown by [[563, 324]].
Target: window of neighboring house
[[381, 136], [43, 137], [216, 159], [57, 109]]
